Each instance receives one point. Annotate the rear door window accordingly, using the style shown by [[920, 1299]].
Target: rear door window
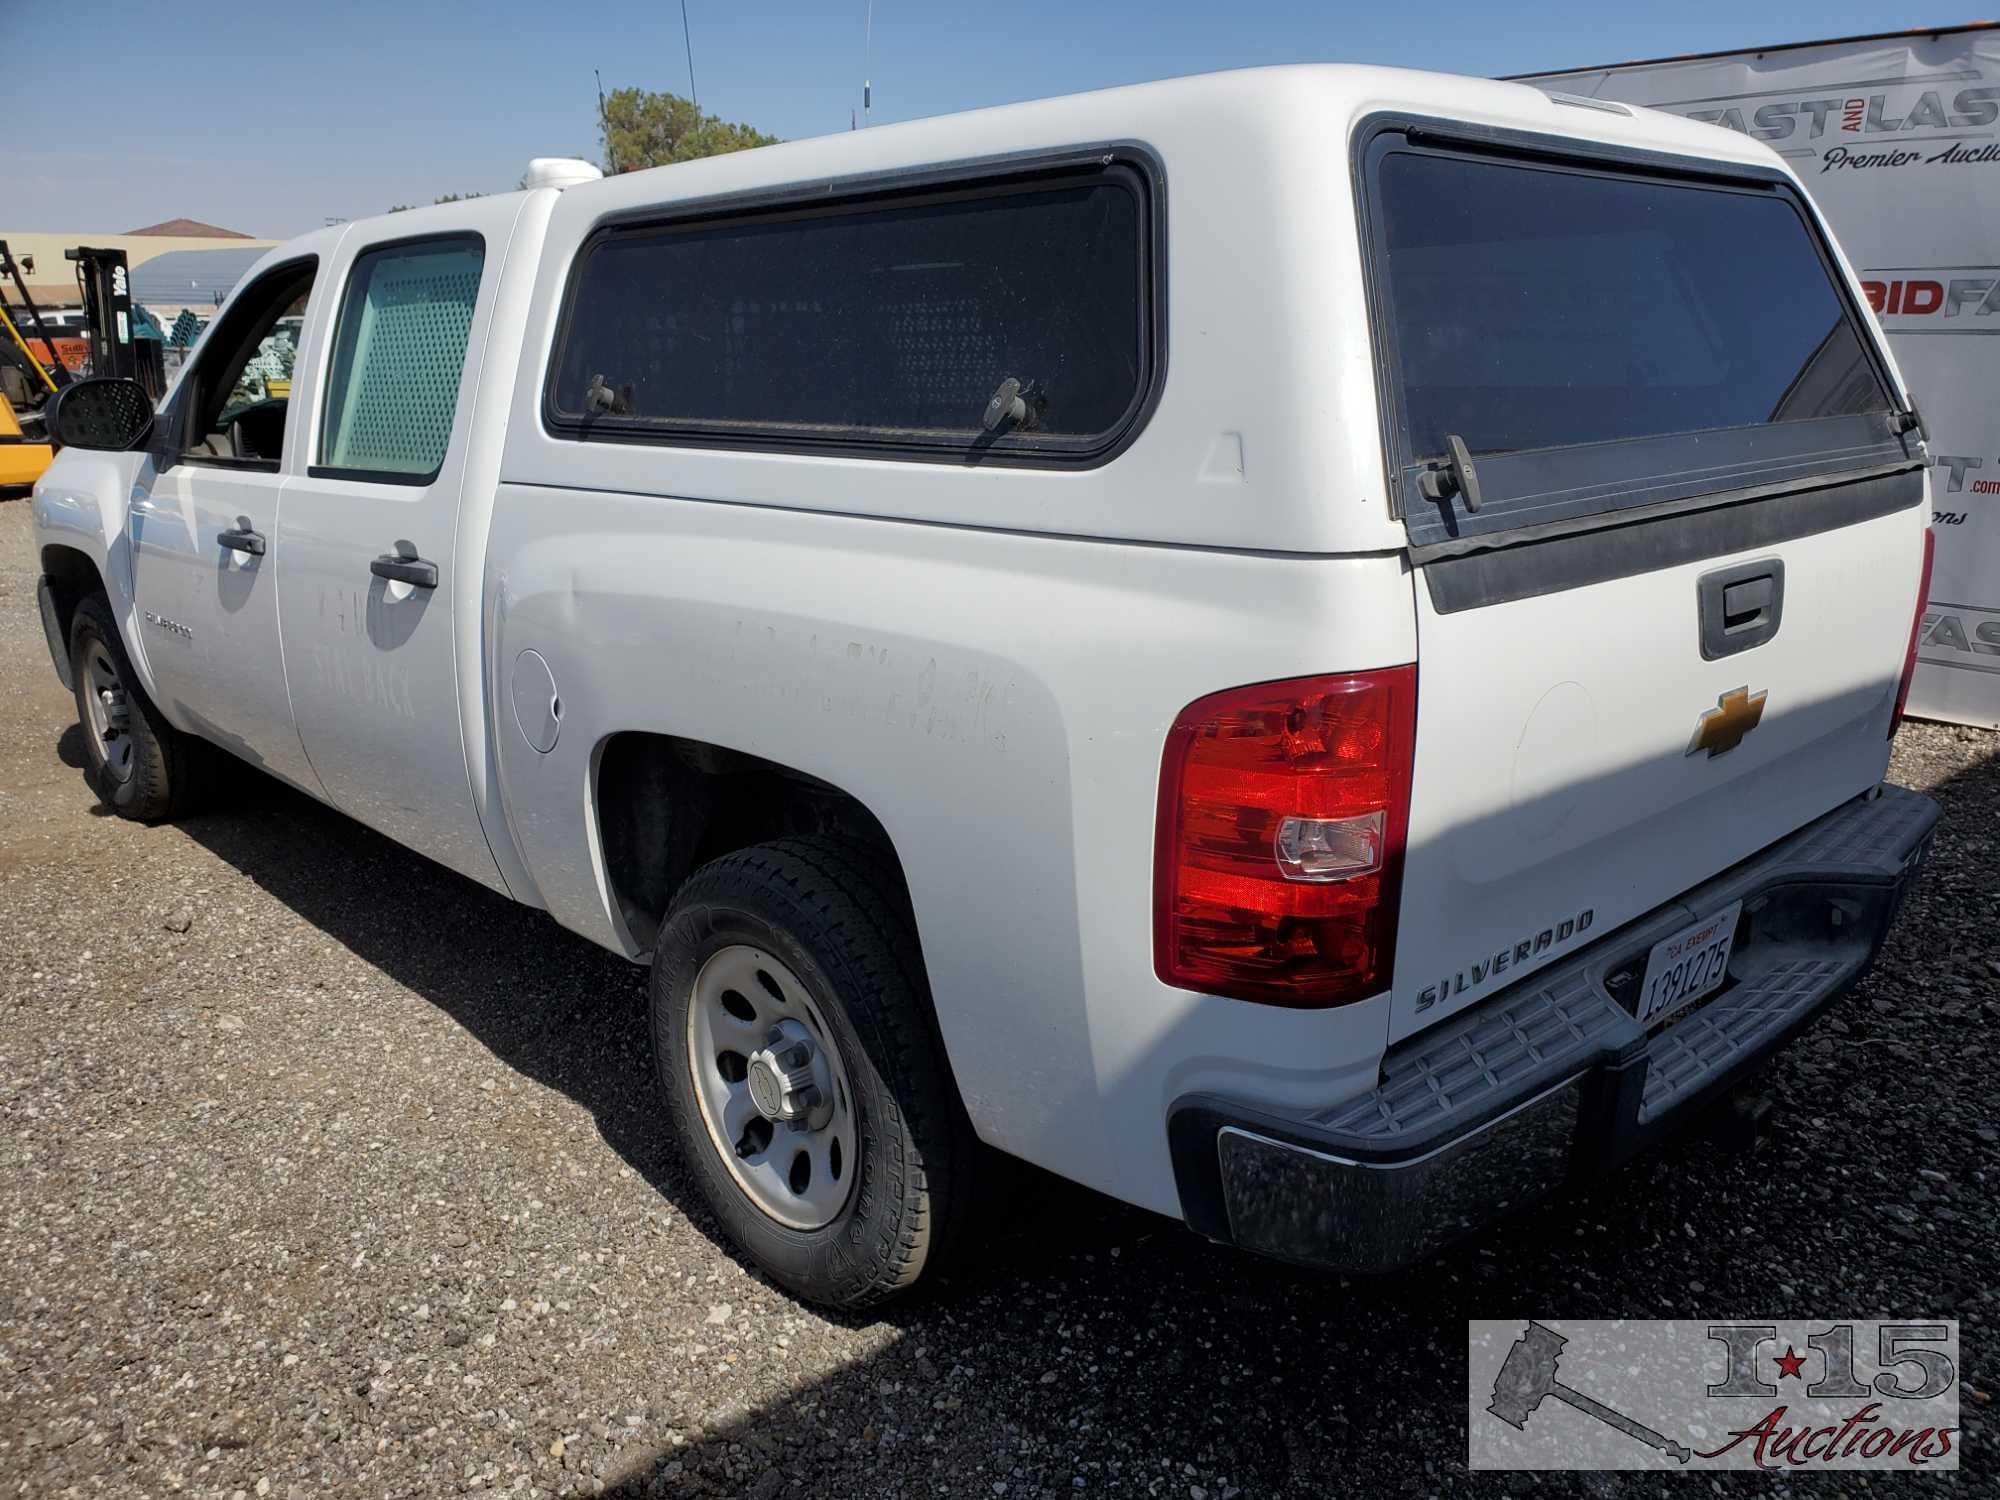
[[398, 358], [1586, 334], [1010, 319]]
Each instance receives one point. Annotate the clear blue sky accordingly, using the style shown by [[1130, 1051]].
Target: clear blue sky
[[271, 117]]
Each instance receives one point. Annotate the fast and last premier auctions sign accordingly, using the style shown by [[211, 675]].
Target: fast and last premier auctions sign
[[1897, 138]]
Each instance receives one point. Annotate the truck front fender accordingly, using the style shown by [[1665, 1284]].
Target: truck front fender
[[82, 518]]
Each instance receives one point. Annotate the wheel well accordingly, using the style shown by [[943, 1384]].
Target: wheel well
[[666, 806], [72, 578]]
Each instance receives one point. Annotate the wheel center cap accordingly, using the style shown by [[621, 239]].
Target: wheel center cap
[[787, 1080], [766, 1092]]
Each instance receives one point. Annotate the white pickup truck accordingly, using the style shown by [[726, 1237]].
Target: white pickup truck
[[1313, 649]]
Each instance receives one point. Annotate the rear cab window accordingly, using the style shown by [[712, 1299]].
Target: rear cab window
[[1598, 339], [1010, 319]]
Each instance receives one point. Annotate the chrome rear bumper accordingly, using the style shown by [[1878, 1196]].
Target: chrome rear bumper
[[1552, 1078]]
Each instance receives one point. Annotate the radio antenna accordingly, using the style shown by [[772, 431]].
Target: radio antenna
[[867, 62], [604, 124], [687, 39]]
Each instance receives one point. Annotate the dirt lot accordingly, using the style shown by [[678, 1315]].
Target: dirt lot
[[325, 1172]]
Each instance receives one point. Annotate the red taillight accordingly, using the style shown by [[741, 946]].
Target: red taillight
[[1916, 629], [1283, 809]]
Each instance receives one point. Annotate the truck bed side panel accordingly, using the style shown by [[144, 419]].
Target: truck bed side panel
[[1000, 704]]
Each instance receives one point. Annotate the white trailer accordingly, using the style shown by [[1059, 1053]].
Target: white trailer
[[1897, 138]]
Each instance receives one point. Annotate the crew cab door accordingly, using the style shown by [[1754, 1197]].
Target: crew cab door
[[368, 534], [204, 516]]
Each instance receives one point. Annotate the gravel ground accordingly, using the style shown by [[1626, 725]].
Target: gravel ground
[[323, 1172]]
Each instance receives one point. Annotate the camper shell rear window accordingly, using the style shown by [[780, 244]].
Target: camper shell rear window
[[989, 314], [1599, 335]]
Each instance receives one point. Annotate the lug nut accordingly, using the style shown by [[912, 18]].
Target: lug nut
[[801, 1103]]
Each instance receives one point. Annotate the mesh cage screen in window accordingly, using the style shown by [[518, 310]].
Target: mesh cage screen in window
[[873, 322], [398, 354]]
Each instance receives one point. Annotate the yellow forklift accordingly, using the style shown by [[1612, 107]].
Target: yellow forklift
[[32, 360], [23, 455], [26, 385]]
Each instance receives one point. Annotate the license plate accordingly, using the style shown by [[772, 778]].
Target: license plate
[[1690, 964]]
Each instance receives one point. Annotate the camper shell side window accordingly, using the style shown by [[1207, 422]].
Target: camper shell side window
[[1007, 315]]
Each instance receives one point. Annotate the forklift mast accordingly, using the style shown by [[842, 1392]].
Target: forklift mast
[[55, 374], [106, 284]]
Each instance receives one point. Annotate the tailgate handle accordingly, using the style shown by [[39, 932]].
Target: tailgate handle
[[1740, 607], [1743, 604]]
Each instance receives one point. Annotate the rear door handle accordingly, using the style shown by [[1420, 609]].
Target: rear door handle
[[405, 570], [242, 539]]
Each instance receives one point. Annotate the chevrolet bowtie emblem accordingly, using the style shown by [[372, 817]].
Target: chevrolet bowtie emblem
[[1722, 728]]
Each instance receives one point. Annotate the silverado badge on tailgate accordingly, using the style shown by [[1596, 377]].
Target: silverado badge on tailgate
[[1723, 727]]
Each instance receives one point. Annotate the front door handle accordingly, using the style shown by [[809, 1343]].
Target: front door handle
[[242, 539], [405, 570]]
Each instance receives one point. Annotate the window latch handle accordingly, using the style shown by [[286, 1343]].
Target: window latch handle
[[600, 397], [1453, 475], [1007, 405]]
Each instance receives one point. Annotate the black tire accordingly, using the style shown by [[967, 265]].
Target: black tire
[[836, 913], [168, 770]]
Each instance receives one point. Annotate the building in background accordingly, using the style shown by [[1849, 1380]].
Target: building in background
[[202, 262], [181, 271], [193, 280], [1897, 139]]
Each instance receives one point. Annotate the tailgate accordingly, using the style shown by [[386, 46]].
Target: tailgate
[[1562, 786], [1665, 505]]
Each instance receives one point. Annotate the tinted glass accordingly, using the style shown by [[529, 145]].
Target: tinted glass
[[899, 321], [397, 357], [1536, 308]]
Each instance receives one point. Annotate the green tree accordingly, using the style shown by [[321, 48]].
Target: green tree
[[642, 128]]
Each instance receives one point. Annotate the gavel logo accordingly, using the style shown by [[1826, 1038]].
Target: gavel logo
[[1529, 1374]]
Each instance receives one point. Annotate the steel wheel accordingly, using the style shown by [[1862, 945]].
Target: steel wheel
[[771, 1087], [109, 721]]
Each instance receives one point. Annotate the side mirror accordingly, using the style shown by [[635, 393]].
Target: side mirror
[[103, 413]]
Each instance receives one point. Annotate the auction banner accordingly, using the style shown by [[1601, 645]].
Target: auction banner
[[1897, 138], [1791, 1395]]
